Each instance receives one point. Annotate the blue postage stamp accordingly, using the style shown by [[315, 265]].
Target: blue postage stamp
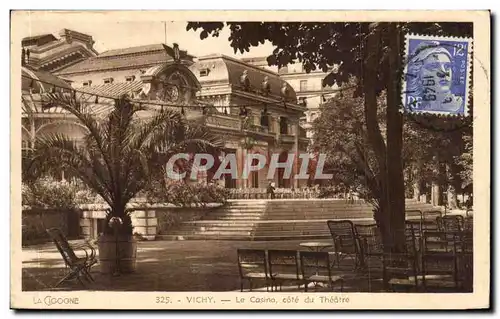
[[437, 75]]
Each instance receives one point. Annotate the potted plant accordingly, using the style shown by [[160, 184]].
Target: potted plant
[[119, 156]]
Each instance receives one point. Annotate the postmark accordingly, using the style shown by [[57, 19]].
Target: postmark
[[437, 75]]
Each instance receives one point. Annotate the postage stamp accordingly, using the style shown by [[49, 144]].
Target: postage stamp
[[437, 74], [168, 160]]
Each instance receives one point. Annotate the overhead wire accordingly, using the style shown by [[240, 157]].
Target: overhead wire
[[281, 102]]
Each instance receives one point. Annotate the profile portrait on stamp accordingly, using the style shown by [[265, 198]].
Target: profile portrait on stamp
[[436, 80]]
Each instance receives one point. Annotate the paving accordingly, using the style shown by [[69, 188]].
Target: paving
[[173, 266]]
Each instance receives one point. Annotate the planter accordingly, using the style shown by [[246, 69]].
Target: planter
[[126, 249]]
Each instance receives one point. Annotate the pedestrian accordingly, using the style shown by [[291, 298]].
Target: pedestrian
[[270, 190]]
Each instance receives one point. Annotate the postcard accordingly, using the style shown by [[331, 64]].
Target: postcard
[[250, 160]]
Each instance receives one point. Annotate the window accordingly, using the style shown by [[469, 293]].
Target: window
[[303, 85], [204, 72], [108, 81], [130, 78], [283, 125], [303, 101], [255, 174], [87, 83], [264, 119]]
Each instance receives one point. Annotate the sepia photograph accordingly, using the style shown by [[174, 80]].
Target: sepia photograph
[[205, 153]]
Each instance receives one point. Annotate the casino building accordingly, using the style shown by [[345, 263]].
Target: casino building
[[254, 109]]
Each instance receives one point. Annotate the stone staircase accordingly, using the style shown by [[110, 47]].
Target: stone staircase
[[279, 219], [234, 221]]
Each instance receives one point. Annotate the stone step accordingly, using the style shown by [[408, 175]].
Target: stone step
[[218, 233], [278, 220], [223, 228], [222, 223], [245, 238], [244, 206], [247, 202], [240, 218], [204, 237], [237, 211], [312, 207], [235, 216]]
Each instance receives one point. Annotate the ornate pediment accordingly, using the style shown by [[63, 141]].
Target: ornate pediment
[[170, 84]]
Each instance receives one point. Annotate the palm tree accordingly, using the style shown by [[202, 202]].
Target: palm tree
[[122, 152]]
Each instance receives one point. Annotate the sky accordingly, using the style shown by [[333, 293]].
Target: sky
[[117, 34]]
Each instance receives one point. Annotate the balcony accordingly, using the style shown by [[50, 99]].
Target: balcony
[[287, 138], [315, 88], [233, 122], [223, 121], [258, 128]]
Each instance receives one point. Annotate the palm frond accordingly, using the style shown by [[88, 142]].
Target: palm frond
[[57, 150], [87, 118]]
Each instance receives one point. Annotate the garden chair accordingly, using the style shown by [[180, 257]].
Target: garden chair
[[468, 223], [430, 220], [345, 241], [451, 223], [400, 270], [252, 266], [440, 267], [78, 266], [315, 267], [283, 266], [370, 241], [465, 261]]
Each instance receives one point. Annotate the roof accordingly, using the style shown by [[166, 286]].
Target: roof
[[38, 40], [41, 81], [113, 90], [146, 55], [132, 50], [227, 69], [100, 64]]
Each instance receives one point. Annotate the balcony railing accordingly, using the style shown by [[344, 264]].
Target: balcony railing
[[315, 87], [259, 129], [287, 138], [223, 121], [279, 193]]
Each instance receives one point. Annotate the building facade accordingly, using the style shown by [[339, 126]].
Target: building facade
[[254, 109], [308, 88]]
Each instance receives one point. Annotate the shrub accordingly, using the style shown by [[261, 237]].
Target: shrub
[[48, 192], [184, 194]]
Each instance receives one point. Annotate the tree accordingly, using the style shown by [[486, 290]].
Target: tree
[[340, 133], [121, 153], [369, 52]]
